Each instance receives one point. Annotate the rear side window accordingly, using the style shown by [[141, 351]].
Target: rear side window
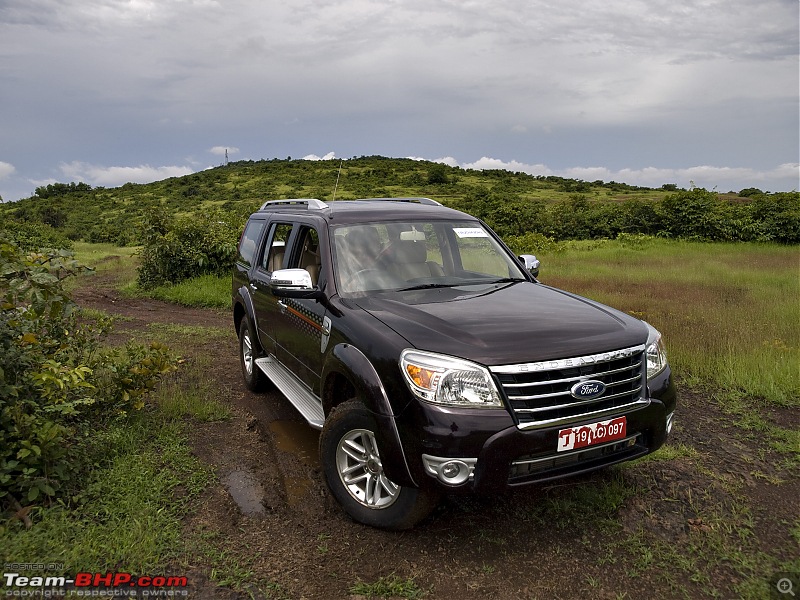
[[249, 242]]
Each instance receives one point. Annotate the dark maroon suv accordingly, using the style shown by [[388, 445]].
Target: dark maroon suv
[[432, 359]]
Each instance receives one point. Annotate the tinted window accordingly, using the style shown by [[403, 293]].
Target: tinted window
[[392, 256], [249, 241]]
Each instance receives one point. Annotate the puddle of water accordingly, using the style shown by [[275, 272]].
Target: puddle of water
[[297, 438], [245, 491]]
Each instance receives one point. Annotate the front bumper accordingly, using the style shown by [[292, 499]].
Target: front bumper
[[500, 456]]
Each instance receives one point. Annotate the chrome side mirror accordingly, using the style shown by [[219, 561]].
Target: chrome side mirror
[[290, 279], [293, 283], [531, 263]]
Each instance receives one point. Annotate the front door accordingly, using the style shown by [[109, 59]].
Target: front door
[[298, 324]]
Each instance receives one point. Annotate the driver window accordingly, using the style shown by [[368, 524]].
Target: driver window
[[309, 253]]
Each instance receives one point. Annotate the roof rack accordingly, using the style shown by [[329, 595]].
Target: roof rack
[[426, 201], [309, 203]]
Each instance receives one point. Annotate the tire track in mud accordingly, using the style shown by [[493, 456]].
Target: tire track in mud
[[265, 456]]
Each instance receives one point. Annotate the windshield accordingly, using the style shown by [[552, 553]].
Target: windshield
[[418, 254]]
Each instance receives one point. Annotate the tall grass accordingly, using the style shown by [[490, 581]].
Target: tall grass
[[730, 313], [192, 392], [211, 291], [208, 291]]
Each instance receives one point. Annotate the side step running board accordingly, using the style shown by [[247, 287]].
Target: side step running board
[[299, 395]]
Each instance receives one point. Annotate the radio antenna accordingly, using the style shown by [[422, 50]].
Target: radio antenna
[[335, 187]]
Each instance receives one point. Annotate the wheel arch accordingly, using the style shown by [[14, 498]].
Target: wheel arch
[[349, 374]]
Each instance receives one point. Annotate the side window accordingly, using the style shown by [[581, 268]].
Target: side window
[[247, 245], [273, 259]]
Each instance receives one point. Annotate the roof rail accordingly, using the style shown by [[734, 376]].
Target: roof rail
[[309, 203], [426, 201]]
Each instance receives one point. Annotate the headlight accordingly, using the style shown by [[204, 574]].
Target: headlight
[[450, 381], [656, 352]]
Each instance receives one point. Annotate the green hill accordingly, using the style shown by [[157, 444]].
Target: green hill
[[515, 204], [83, 212]]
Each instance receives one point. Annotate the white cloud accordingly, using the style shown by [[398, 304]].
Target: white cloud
[[98, 175], [486, 163], [445, 160], [6, 169], [221, 150], [785, 176], [328, 156]]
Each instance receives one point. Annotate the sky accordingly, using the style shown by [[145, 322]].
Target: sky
[[645, 92]]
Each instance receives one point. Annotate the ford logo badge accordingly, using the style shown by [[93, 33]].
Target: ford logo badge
[[586, 390]]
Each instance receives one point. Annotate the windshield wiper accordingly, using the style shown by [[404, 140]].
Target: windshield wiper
[[430, 286], [427, 286]]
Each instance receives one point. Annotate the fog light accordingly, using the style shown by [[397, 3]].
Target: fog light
[[669, 422], [450, 471], [453, 472]]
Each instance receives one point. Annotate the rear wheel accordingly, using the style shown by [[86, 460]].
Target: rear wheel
[[249, 351], [354, 473]]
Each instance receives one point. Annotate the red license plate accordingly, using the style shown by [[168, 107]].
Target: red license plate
[[589, 435]]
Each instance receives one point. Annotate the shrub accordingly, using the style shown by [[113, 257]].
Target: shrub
[[533, 243], [33, 235], [56, 382], [180, 248]]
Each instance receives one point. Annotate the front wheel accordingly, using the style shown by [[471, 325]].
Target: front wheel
[[354, 473]]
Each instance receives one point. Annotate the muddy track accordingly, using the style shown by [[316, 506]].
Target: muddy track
[[270, 512]]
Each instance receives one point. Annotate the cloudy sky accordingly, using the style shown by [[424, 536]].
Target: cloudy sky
[[641, 91]]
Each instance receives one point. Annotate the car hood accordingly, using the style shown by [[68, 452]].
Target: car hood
[[505, 323]]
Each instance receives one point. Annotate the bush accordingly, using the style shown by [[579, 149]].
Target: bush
[[56, 383], [33, 235], [533, 243], [176, 249]]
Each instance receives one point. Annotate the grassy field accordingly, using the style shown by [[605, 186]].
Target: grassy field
[[729, 312]]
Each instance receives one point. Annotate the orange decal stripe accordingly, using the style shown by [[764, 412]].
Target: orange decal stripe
[[305, 318]]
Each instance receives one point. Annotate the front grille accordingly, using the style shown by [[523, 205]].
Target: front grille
[[539, 393]]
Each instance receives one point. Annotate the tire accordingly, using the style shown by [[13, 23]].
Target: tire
[[249, 351], [354, 474]]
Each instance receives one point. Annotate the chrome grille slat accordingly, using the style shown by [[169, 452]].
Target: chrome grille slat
[[566, 393], [555, 405], [594, 415], [573, 379], [571, 404]]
